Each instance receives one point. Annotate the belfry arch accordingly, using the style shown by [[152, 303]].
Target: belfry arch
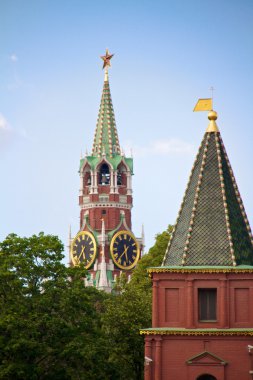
[[104, 174]]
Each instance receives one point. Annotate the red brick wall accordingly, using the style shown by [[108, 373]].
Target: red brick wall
[[175, 304], [176, 351], [234, 299]]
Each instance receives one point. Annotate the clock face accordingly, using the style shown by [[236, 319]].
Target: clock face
[[125, 250], [83, 249]]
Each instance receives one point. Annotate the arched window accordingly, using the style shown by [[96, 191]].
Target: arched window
[[206, 377], [86, 176], [119, 179], [88, 179], [121, 175], [104, 175]]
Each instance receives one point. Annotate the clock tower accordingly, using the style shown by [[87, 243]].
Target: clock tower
[[105, 242]]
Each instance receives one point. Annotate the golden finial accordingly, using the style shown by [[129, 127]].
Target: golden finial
[[212, 115], [212, 127], [106, 58]]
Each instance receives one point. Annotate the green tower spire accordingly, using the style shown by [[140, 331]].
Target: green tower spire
[[212, 228], [106, 139]]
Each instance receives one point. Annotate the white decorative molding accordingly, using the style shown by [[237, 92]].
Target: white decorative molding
[[103, 198], [123, 199], [105, 204]]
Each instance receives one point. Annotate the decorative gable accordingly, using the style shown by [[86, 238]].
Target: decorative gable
[[206, 358]]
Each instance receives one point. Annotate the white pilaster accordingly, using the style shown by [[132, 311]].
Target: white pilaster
[[115, 182], [95, 182], [129, 183], [81, 184]]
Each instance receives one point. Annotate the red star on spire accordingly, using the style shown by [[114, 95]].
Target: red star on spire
[[106, 58]]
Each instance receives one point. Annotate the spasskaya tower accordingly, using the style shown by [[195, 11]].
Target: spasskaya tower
[[105, 242]]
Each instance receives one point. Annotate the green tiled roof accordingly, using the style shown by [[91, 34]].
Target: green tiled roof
[[106, 136], [114, 161], [106, 142], [212, 228]]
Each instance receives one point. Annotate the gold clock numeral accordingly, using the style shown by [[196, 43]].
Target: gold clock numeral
[[124, 263], [134, 257], [134, 250], [116, 255], [125, 237]]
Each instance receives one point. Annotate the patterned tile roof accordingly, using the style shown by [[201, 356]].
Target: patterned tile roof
[[106, 142], [212, 228], [106, 139]]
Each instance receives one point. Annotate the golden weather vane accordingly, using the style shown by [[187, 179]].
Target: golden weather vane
[[207, 105]]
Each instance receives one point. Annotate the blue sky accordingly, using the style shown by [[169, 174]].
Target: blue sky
[[167, 55]]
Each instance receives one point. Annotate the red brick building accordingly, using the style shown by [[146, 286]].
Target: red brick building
[[105, 242], [202, 317]]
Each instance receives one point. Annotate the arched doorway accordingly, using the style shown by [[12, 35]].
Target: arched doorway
[[206, 377]]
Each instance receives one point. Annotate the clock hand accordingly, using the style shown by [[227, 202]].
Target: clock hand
[[81, 252], [125, 253]]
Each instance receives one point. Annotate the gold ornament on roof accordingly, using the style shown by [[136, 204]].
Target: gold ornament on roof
[[106, 58], [207, 105]]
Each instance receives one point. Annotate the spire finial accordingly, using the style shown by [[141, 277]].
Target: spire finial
[[212, 127], [106, 58], [212, 90]]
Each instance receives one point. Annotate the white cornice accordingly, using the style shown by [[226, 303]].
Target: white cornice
[[106, 204]]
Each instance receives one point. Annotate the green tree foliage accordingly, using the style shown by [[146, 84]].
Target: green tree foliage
[[50, 327], [153, 258], [125, 315], [53, 327], [130, 310]]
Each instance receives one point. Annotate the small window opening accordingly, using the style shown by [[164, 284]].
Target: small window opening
[[103, 212], [207, 304], [104, 175]]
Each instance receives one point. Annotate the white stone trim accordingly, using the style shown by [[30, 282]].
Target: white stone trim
[[105, 204]]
